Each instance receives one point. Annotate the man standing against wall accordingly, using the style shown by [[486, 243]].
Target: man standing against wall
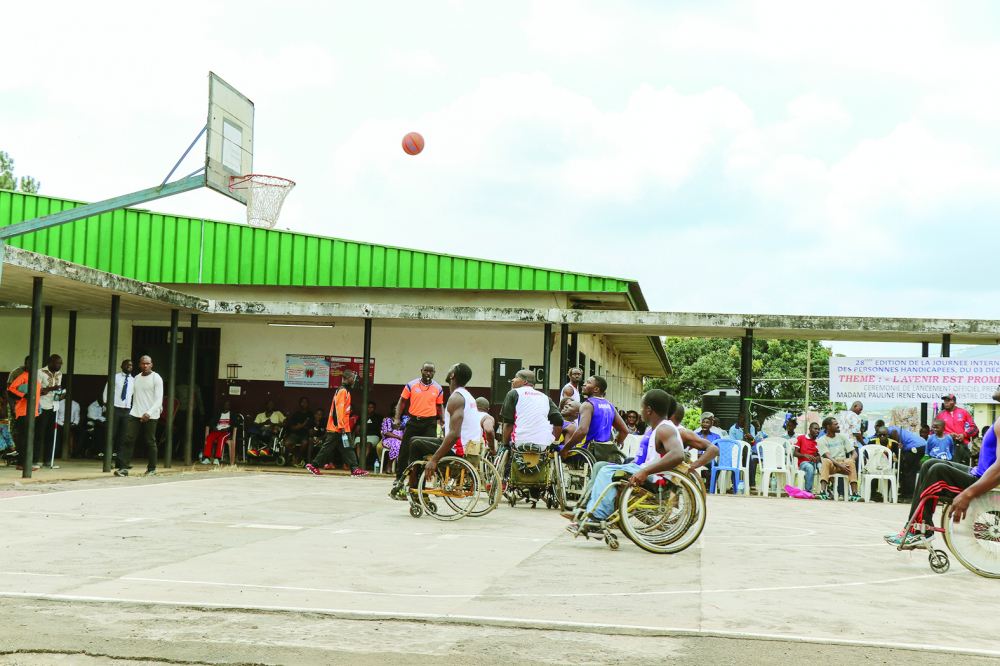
[[959, 424], [50, 379], [423, 399], [118, 417], [147, 403], [572, 387]]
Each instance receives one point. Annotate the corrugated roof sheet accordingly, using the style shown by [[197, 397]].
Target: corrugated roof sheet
[[155, 247]]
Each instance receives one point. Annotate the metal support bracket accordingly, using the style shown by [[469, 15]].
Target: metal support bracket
[[100, 207]]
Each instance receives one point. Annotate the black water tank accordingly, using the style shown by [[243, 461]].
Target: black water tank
[[724, 402]]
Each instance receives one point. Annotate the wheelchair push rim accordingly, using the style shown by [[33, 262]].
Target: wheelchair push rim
[[666, 524], [451, 492], [490, 488], [975, 541], [572, 476]]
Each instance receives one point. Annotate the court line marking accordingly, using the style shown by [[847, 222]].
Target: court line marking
[[411, 595], [51, 575], [60, 493], [515, 623]]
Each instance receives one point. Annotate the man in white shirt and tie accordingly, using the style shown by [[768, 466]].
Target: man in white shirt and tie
[[74, 422], [96, 423], [118, 417], [147, 403]]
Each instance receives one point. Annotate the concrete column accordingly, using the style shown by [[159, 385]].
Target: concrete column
[[924, 352], [547, 359], [946, 345], [33, 364], [746, 376], [116, 306], [563, 355], [192, 371], [68, 384], [172, 390], [47, 335], [365, 381]]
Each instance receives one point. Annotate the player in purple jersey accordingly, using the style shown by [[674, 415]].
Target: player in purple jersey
[[598, 418]]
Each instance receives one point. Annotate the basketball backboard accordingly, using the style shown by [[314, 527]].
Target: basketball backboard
[[229, 147]]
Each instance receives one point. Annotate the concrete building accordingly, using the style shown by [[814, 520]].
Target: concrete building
[[235, 266]]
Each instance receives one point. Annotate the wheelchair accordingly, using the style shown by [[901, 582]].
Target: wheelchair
[[267, 452], [662, 518], [450, 493], [490, 481], [534, 474], [975, 541]]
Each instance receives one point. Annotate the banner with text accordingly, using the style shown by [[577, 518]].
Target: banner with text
[[313, 371], [972, 380]]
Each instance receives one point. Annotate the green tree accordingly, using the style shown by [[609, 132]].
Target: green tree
[[704, 364], [692, 418], [9, 182]]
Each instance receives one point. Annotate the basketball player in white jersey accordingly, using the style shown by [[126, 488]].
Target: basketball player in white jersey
[[529, 416], [665, 452], [572, 387], [461, 425], [692, 440], [487, 424]]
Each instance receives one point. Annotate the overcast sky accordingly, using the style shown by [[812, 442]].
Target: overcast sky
[[834, 158]]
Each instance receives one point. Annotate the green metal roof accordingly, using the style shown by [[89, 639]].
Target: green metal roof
[[155, 247]]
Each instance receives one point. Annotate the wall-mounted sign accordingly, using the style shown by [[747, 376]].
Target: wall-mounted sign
[[310, 371]]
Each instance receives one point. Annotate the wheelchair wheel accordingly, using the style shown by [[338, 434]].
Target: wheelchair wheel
[[279, 460], [573, 474], [976, 540], [452, 490], [666, 519], [416, 511], [939, 561], [490, 488]]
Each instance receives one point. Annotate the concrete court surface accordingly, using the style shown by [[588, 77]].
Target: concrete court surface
[[267, 568]]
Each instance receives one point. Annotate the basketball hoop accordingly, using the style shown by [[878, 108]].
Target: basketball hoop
[[265, 194]]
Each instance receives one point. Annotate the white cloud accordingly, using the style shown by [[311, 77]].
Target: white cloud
[[419, 63], [570, 29]]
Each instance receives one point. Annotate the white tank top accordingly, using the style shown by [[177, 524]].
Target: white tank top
[[576, 392], [531, 418], [471, 430], [651, 453]]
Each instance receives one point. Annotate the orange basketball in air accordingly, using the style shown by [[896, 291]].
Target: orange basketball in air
[[413, 143]]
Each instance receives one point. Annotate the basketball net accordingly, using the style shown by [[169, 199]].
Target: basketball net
[[265, 194]]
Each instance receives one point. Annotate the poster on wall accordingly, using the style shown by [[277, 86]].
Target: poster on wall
[[340, 363], [307, 371], [972, 380], [312, 371]]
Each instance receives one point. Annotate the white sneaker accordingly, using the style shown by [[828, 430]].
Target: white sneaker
[[215, 461], [205, 461]]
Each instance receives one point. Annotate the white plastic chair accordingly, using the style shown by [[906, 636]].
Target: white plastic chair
[[835, 484], [773, 461], [381, 464], [869, 451], [793, 468], [631, 446]]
